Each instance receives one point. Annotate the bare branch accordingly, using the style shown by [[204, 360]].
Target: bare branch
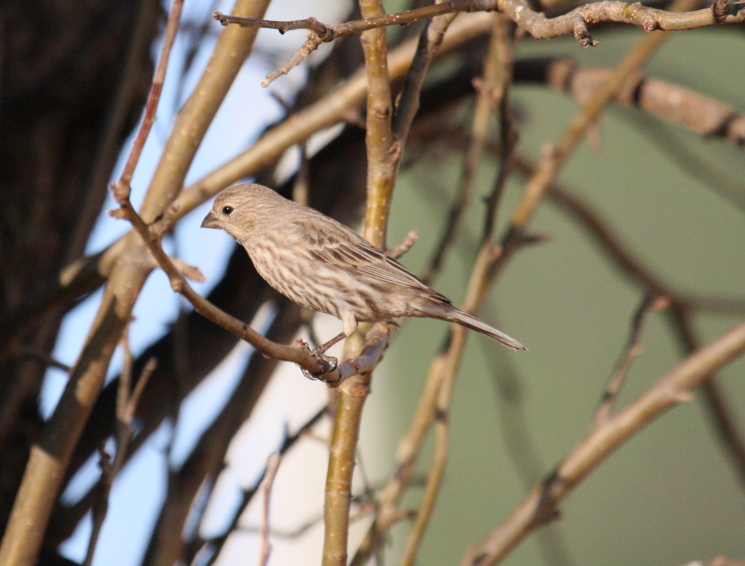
[[487, 99], [50, 456], [383, 153], [434, 403], [45, 359], [407, 104], [498, 75], [673, 388], [272, 465], [215, 544], [125, 409], [720, 412], [575, 22], [631, 351], [310, 45], [311, 24], [405, 245], [121, 187], [688, 108]]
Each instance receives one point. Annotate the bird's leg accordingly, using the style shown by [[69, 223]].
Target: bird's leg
[[335, 340]]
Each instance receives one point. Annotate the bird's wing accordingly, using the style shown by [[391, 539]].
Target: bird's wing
[[339, 246]]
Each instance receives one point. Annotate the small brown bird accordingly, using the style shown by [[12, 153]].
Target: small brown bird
[[323, 265]]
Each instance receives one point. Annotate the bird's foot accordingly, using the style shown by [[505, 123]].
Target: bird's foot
[[328, 363]]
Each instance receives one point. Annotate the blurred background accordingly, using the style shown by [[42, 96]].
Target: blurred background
[[672, 196]]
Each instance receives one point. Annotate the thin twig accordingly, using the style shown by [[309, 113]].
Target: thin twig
[[84, 275], [270, 472], [311, 24], [712, 118], [631, 351], [630, 266], [498, 87], [720, 413], [575, 22], [122, 185], [214, 545], [499, 76], [693, 110], [100, 506], [488, 98], [512, 240], [126, 405], [406, 456], [51, 454], [327, 111], [383, 153], [407, 103], [556, 156], [521, 449], [360, 512], [405, 245], [45, 359]]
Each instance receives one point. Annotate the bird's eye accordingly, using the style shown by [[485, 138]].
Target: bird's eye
[[227, 210]]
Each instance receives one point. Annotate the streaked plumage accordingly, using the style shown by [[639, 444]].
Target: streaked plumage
[[323, 265]]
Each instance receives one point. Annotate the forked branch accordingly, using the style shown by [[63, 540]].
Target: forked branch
[[575, 22], [601, 442]]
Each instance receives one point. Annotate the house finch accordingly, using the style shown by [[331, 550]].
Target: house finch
[[323, 265]]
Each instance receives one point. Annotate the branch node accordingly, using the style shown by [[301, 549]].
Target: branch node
[[441, 416], [682, 396], [188, 271], [177, 284], [546, 510], [581, 33], [219, 16], [355, 388], [720, 10], [118, 213], [311, 44], [327, 363], [121, 190], [649, 21]]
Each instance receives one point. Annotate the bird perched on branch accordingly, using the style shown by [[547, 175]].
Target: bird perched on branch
[[322, 265]]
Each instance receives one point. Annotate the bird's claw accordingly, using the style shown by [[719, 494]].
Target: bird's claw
[[327, 363]]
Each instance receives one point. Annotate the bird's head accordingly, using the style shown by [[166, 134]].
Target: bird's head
[[239, 209]]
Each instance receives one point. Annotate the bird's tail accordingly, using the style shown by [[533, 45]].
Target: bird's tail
[[474, 323]]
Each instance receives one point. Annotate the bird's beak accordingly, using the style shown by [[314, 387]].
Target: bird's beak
[[210, 221]]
